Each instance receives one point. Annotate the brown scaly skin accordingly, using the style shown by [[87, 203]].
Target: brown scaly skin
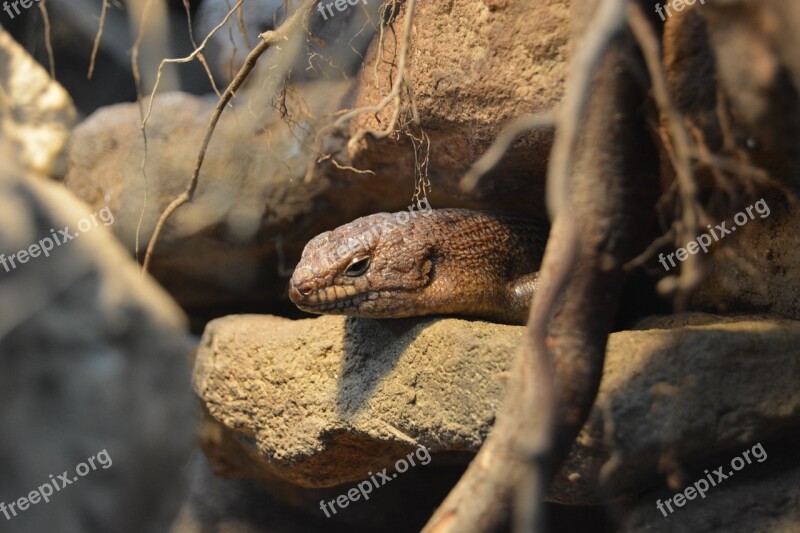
[[443, 261]]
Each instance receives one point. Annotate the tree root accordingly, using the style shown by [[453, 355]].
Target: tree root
[[601, 205]]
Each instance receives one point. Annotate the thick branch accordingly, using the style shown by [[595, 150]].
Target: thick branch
[[603, 215]]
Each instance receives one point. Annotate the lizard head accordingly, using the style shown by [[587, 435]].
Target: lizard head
[[371, 267]]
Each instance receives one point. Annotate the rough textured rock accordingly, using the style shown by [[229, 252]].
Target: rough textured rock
[[754, 46], [94, 357], [249, 506], [36, 112], [357, 394], [680, 389], [753, 270], [511, 61], [299, 399]]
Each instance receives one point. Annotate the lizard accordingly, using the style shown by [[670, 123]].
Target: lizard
[[440, 262]]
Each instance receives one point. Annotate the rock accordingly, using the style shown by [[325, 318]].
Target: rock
[[36, 113], [94, 360], [319, 402], [217, 504], [681, 389], [511, 60], [249, 506], [754, 44], [753, 269]]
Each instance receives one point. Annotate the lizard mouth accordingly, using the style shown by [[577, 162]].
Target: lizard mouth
[[328, 299]]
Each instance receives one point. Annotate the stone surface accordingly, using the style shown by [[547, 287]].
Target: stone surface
[[752, 270], [680, 389], [36, 113], [754, 46], [319, 401], [250, 506], [94, 357], [473, 65]]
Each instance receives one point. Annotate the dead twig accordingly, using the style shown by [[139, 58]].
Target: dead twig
[[267, 39], [348, 167], [502, 143], [96, 45], [137, 80], [197, 53], [393, 96], [47, 42], [200, 57]]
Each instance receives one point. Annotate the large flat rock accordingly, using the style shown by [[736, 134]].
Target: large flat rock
[[320, 402], [323, 401]]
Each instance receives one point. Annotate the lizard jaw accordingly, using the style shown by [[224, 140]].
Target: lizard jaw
[[329, 299]]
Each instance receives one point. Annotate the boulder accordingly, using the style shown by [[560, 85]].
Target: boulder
[[472, 66], [273, 506], [37, 113], [743, 111], [320, 402], [95, 382], [680, 389]]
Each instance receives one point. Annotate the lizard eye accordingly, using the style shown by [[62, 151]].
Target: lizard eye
[[357, 266]]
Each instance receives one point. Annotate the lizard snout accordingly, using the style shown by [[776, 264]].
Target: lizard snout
[[299, 291]]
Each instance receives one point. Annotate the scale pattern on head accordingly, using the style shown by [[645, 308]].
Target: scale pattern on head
[[385, 256]]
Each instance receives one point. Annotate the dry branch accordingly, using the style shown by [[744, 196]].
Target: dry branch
[[393, 96], [197, 53], [137, 80], [200, 57], [293, 23], [96, 45], [48, 44]]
